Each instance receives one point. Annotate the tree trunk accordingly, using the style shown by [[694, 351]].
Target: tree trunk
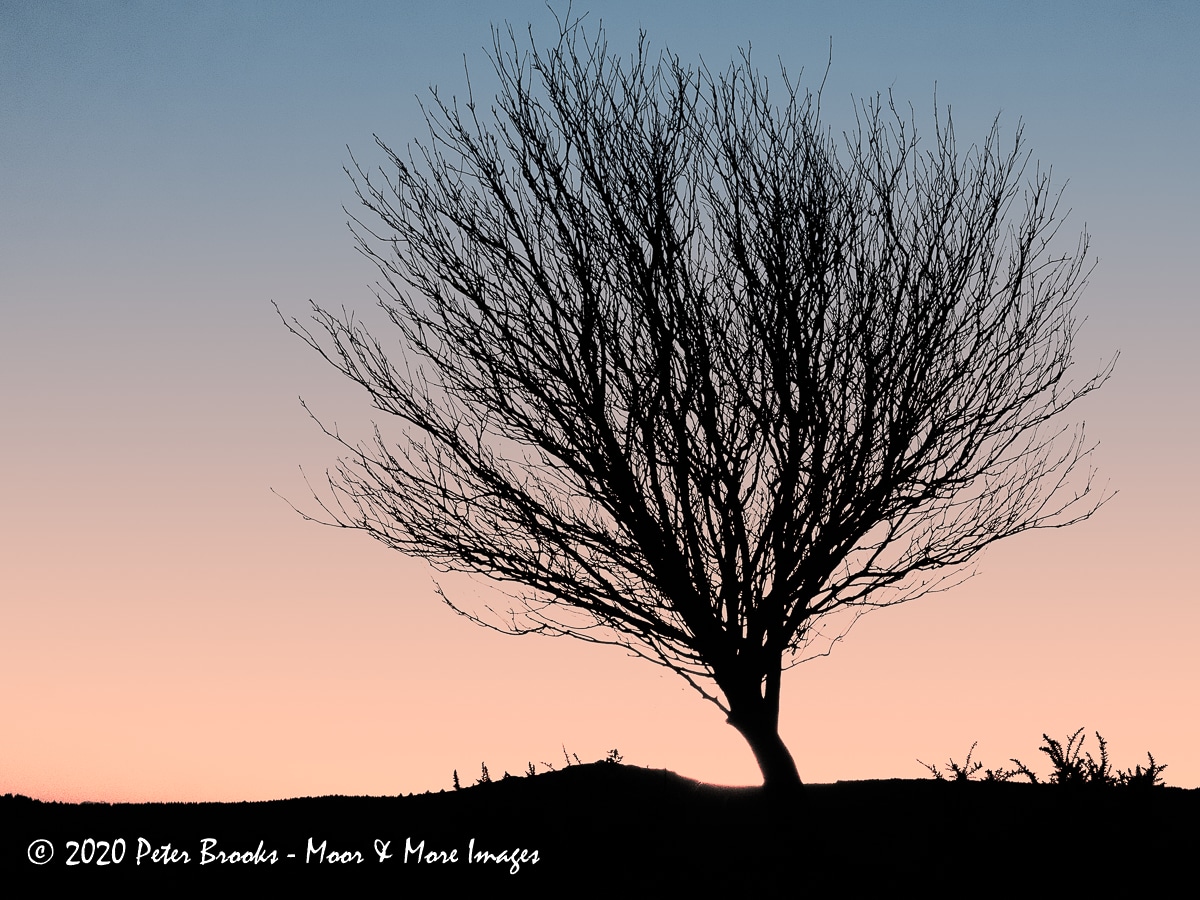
[[757, 719], [774, 760]]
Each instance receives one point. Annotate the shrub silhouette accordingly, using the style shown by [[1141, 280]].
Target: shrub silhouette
[[1140, 779], [967, 769], [1072, 767]]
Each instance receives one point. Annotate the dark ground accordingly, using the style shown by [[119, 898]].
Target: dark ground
[[603, 827]]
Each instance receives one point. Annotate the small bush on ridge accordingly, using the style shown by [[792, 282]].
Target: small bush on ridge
[[1072, 766]]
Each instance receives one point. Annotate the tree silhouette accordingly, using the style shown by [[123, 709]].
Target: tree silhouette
[[690, 375]]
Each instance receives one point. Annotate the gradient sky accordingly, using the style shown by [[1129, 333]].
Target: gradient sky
[[171, 630]]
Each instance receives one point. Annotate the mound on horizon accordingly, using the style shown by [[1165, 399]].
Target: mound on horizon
[[612, 825]]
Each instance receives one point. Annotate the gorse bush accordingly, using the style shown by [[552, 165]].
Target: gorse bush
[[1136, 777], [1072, 766], [967, 769]]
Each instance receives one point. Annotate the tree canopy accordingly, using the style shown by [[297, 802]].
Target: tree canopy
[[684, 371]]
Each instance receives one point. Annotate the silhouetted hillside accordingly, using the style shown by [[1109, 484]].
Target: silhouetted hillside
[[601, 826]]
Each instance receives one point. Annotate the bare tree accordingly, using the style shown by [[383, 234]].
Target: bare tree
[[690, 374]]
